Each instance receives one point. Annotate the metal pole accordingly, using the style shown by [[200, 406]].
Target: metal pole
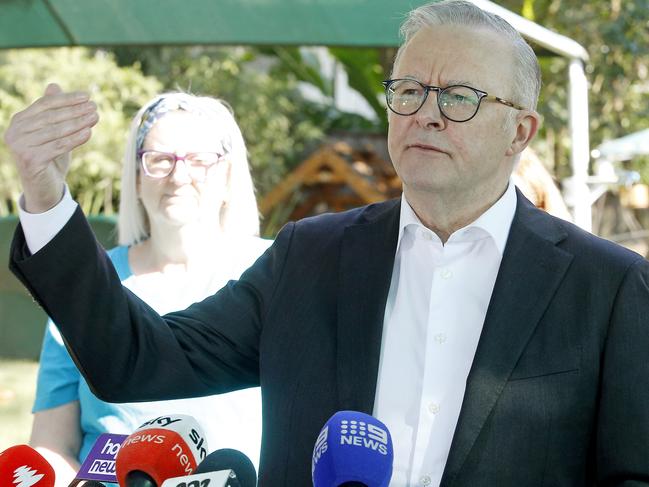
[[576, 190]]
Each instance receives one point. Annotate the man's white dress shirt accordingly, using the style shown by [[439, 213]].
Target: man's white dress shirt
[[436, 307]]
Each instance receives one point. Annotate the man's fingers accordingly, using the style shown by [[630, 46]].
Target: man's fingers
[[54, 131], [58, 101], [36, 156], [53, 89], [50, 102], [54, 116]]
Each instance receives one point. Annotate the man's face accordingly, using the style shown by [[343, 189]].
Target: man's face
[[433, 154]]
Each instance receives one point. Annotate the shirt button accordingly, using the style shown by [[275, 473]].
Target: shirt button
[[440, 338], [433, 408], [425, 480], [446, 273]]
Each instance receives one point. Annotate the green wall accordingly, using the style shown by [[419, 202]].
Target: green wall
[[22, 321]]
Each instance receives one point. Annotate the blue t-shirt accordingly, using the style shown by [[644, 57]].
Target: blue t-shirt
[[231, 420]]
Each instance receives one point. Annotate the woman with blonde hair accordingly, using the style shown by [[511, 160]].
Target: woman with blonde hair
[[188, 223]]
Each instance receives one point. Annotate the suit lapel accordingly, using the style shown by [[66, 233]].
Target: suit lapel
[[366, 261], [531, 269]]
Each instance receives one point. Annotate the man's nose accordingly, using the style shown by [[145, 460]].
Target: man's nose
[[429, 115]]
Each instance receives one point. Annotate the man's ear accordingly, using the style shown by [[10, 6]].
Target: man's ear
[[526, 126]]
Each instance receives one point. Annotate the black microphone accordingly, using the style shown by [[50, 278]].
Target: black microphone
[[93, 483], [242, 468], [138, 478]]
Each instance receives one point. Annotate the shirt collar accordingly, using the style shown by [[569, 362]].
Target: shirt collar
[[494, 223]]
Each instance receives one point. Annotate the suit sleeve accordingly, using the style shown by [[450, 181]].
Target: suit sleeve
[[623, 422], [124, 349]]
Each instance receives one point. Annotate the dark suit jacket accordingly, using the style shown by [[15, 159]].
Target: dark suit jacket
[[558, 394]]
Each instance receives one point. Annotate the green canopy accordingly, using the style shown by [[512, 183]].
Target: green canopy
[[355, 23], [40, 23]]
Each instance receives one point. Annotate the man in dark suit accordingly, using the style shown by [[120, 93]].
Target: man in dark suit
[[500, 345]]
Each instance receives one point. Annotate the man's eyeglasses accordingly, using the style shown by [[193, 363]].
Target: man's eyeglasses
[[458, 103], [159, 165]]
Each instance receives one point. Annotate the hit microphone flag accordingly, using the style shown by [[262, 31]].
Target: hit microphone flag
[[99, 465]]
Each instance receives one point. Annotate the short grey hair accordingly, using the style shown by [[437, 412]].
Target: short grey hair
[[527, 72], [239, 213]]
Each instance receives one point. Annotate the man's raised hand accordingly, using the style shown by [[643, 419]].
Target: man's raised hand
[[40, 139]]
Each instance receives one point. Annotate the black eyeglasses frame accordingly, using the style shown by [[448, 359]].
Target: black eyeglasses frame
[[482, 95]]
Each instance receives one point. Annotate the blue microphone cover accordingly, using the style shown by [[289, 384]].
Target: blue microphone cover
[[352, 447]]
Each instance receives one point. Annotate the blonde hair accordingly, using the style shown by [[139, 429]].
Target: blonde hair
[[527, 72], [239, 214]]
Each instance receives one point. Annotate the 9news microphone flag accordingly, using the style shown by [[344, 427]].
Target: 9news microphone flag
[[352, 448]]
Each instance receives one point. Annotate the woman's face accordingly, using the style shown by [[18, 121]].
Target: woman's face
[[181, 198]]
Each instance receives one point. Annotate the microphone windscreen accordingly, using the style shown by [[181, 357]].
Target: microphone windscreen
[[164, 447], [221, 478], [22, 466], [93, 483], [229, 459], [352, 448]]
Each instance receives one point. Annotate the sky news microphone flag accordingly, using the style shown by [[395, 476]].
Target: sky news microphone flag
[[162, 448], [22, 466], [352, 447]]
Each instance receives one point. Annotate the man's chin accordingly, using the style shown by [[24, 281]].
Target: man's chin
[[431, 183]]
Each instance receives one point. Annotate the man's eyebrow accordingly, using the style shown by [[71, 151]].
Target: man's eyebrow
[[448, 83], [458, 82]]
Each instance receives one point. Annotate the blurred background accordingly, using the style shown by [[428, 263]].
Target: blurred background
[[303, 79]]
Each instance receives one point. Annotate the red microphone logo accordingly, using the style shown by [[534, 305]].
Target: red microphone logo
[[26, 477]]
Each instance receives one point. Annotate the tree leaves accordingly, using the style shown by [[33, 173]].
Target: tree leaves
[[118, 92]]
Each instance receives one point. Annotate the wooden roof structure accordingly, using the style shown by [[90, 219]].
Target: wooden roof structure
[[334, 178]]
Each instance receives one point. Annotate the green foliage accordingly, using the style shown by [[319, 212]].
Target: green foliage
[[365, 73], [616, 35], [118, 92], [281, 127], [304, 67]]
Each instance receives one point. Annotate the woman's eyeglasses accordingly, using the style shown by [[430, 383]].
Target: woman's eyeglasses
[[158, 165]]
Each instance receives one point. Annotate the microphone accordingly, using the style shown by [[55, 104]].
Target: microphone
[[93, 483], [241, 466], [99, 465], [352, 449], [210, 479], [22, 466], [162, 448], [221, 468]]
